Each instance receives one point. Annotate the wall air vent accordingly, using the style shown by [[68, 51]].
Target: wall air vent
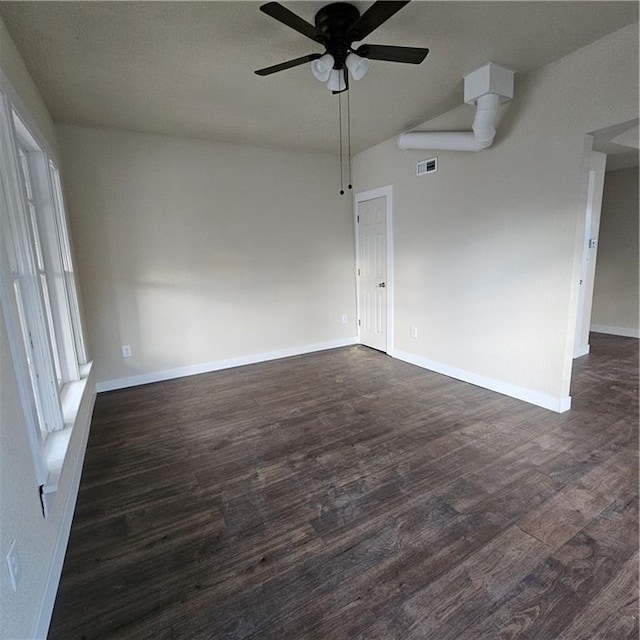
[[426, 166]]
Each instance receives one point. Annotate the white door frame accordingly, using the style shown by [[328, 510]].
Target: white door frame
[[381, 192], [597, 168]]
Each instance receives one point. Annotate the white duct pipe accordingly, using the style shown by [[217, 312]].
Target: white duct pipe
[[484, 131]]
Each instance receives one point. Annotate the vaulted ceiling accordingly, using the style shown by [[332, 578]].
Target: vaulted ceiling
[[187, 68]]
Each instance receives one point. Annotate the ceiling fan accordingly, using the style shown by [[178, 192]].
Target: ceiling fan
[[337, 26]]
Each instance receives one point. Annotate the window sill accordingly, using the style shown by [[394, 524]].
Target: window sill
[[57, 442]]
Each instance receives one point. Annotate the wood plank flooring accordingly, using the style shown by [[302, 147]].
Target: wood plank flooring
[[347, 495]]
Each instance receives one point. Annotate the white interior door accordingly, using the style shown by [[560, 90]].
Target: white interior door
[[372, 271]]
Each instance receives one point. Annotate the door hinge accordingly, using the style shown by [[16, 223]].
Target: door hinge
[[359, 323], [357, 218], [358, 271]]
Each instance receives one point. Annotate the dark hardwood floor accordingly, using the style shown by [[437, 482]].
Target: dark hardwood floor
[[347, 495]]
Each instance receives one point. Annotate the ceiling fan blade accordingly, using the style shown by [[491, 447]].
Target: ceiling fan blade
[[287, 65], [282, 14], [411, 55], [373, 17]]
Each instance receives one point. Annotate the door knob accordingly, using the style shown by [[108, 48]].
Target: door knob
[[382, 285]]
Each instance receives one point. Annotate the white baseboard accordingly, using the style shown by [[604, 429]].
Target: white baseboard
[[218, 365], [553, 403], [581, 351], [55, 566], [625, 332]]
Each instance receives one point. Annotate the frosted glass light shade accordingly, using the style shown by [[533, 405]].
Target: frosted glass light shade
[[336, 80], [357, 65], [321, 68]]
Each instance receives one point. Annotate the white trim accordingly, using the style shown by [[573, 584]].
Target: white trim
[[589, 254], [615, 331], [25, 115], [380, 192], [217, 365], [45, 612], [582, 351], [546, 401], [8, 202]]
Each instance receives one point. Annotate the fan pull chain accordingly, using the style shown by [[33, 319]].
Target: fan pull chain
[[350, 186], [340, 127]]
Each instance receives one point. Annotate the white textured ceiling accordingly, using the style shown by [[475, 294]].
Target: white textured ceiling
[[186, 68]]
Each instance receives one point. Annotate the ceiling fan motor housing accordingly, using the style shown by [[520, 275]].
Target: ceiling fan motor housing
[[334, 23]]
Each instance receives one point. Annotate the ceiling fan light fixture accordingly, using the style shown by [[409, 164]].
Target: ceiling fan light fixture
[[336, 80], [357, 65], [322, 67]]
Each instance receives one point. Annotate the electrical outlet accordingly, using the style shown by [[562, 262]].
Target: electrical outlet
[[126, 351], [345, 318], [13, 565], [414, 332]]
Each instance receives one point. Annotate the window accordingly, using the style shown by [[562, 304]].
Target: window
[[39, 295], [42, 274], [67, 273]]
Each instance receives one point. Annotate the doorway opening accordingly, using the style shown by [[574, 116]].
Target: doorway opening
[[613, 149]]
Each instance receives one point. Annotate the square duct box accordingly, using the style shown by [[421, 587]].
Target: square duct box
[[491, 78]]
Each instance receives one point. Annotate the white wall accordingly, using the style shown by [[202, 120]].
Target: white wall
[[615, 297], [196, 252], [485, 249], [40, 542]]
